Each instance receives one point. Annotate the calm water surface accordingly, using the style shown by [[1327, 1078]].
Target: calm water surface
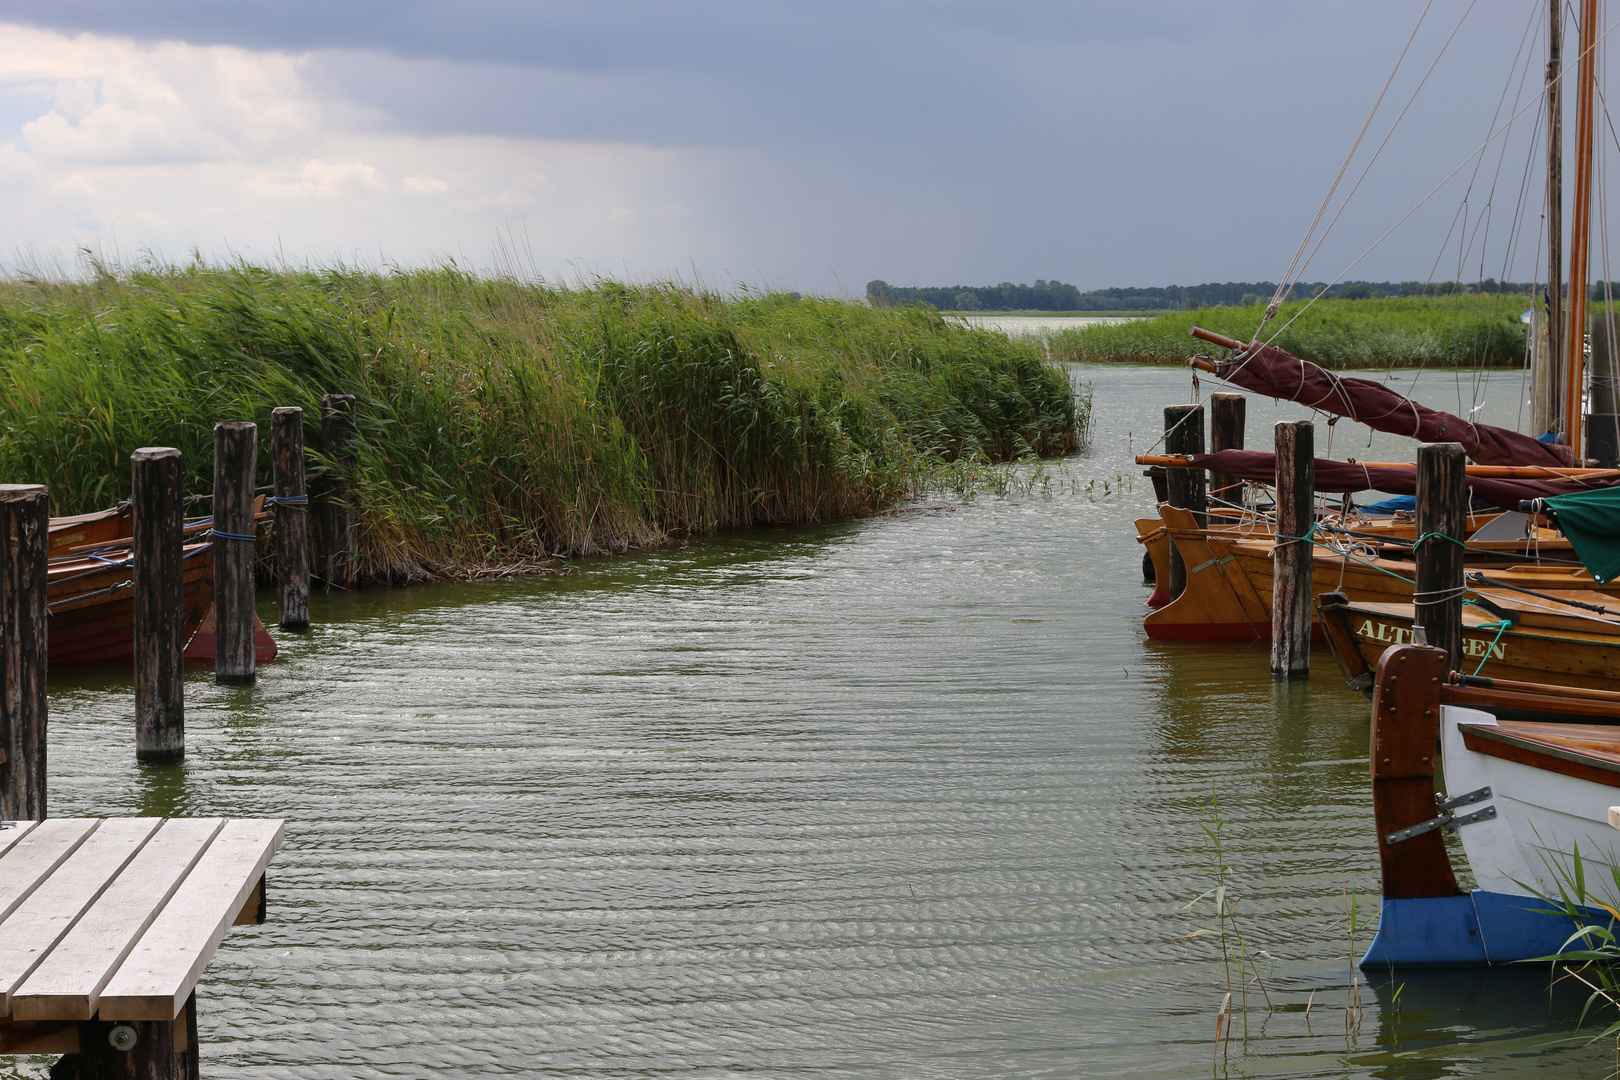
[[909, 797]]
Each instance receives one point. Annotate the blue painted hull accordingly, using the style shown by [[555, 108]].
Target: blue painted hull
[[1477, 929]]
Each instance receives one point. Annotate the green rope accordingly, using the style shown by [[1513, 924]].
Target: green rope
[[1441, 535], [1310, 537], [1500, 626]]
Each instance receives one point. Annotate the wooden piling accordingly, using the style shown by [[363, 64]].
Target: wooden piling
[[160, 723], [134, 1049], [1226, 423], [25, 511], [236, 448], [1442, 524], [1184, 434], [1291, 576], [337, 431], [292, 517]]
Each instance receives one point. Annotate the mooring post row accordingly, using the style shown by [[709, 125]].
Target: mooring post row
[[337, 432], [159, 536], [236, 447], [25, 521], [1185, 488], [1442, 526], [1291, 570], [291, 516]]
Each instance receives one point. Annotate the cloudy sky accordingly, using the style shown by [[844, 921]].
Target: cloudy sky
[[813, 145]]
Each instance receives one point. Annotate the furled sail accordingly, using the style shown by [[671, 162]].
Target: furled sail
[[1345, 476], [1268, 370]]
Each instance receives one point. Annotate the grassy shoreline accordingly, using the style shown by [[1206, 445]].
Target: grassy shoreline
[[504, 422], [1453, 331]]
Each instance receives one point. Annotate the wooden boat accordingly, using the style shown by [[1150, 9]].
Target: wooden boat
[[1229, 574], [1561, 638], [1531, 779], [89, 590]]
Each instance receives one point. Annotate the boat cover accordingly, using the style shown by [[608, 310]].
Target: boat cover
[[1268, 370], [1260, 467], [1591, 521]]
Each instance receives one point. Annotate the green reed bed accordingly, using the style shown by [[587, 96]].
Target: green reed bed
[[1449, 331], [502, 422]]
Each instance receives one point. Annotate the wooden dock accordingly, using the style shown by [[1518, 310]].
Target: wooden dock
[[106, 925]]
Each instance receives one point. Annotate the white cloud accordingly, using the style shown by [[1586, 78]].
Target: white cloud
[[172, 146]]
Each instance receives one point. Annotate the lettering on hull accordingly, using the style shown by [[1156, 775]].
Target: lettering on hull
[[1384, 633]]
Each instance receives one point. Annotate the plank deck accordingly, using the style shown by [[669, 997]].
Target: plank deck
[[50, 911], [159, 974], [115, 919], [69, 987]]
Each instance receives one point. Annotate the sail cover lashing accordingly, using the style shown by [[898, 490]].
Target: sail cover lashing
[[1346, 476], [1268, 370]]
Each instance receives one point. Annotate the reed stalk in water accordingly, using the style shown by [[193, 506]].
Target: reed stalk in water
[[502, 421]]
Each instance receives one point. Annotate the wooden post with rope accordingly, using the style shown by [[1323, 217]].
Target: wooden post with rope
[[158, 551], [1226, 423], [292, 517], [236, 449], [1442, 524], [1184, 434], [337, 431], [25, 511], [1291, 575]]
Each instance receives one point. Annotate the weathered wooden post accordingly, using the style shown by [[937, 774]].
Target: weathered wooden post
[[1442, 526], [1226, 422], [135, 1049], [160, 717], [236, 448], [1184, 434], [292, 517], [1291, 572], [337, 430], [25, 515]]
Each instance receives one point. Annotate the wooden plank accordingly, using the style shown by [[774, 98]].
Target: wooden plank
[[50, 1037], [68, 984], [32, 858], [1488, 740], [13, 832], [155, 979], [39, 922]]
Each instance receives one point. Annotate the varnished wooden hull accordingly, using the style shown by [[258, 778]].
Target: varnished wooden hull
[[1229, 581], [1553, 656], [92, 607]]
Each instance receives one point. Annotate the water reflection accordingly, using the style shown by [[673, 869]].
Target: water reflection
[[909, 797]]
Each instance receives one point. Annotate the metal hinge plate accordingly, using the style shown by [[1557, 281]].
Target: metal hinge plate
[[1446, 819], [1207, 563]]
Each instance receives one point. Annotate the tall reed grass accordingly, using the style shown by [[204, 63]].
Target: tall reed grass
[[504, 421], [1440, 331]]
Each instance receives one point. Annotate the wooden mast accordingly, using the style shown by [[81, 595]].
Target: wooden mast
[[1580, 232], [1549, 404]]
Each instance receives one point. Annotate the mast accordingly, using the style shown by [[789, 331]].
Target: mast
[[1548, 404], [1580, 234]]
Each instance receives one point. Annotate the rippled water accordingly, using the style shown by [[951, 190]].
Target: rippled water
[[908, 797]]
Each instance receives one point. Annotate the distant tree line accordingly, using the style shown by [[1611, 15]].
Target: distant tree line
[[1057, 296]]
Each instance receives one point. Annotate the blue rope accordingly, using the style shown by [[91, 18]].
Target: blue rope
[[249, 537], [272, 500]]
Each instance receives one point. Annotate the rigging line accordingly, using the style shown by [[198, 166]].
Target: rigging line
[[1387, 136], [1514, 230], [1286, 281], [1432, 192], [1490, 198], [1421, 202]]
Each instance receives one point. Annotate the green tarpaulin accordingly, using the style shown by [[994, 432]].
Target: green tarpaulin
[[1591, 520]]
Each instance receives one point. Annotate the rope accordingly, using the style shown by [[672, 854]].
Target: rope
[[249, 537], [285, 500], [109, 591], [1500, 626], [1477, 578], [1288, 275]]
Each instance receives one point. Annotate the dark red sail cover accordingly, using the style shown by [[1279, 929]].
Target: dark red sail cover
[[1342, 476], [1273, 372]]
